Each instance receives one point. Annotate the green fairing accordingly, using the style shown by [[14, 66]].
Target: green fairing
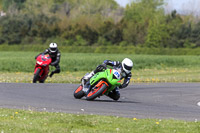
[[106, 74]]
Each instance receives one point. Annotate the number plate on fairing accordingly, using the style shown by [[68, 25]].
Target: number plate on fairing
[[116, 74]]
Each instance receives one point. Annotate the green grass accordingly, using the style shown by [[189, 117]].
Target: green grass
[[19, 67], [130, 49], [138, 76], [19, 121], [24, 61]]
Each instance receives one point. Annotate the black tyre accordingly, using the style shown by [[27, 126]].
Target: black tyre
[[36, 75], [78, 93], [96, 92], [41, 81]]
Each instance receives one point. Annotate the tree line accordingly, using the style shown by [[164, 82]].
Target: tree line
[[143, 23]]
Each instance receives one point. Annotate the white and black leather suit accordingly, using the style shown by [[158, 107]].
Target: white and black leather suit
[[115, 95]]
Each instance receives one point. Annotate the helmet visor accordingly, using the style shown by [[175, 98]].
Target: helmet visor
[[53, 49], [127, 67]]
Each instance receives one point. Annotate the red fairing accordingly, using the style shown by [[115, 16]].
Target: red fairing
[[43, 62]]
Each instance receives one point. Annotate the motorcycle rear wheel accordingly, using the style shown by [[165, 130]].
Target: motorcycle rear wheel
[[36, 75]]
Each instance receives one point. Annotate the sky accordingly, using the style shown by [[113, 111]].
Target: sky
[[182, 6], [122, 2]]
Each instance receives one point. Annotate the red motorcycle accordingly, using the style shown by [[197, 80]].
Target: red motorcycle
[[41, 68]]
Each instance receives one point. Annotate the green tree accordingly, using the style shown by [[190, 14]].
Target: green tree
[[195, 35], [179, 29], [137, 18], [157, 35], [13, 29], [18, 4]]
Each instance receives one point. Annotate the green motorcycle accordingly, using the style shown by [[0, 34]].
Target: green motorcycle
[[100, 84]]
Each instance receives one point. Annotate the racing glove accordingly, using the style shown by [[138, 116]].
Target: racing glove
[[117, 63], [53, 63], [122, 86], [100, 68]]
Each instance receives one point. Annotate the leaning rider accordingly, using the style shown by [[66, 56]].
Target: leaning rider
[[55, 56], [126, 66]]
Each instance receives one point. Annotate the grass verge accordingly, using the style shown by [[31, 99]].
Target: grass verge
[[139, 76], [19, 121], [75, 62], [105, 49], [19, 67]]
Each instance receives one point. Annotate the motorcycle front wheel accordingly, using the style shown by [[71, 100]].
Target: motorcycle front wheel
[[97, 91], [36, 75], [78, 93]]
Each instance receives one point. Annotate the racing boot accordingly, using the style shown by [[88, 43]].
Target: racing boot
[[86, 87], [86, 83], [51, 74], [115, 94]]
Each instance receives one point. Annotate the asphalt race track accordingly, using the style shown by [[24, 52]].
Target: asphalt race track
[[161, 100]]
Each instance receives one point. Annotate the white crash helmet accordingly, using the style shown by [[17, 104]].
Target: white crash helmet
[[53, 47], [127, 65]]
